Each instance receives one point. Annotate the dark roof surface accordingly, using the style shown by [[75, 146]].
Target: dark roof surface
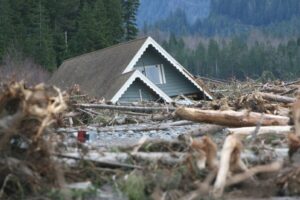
[[98, 73]]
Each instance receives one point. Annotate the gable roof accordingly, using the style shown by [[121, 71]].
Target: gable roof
[[170, 58], [136, 74], [97, 71], [103, 73]]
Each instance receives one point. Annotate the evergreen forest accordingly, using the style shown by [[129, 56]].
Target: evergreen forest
[[229, 39], [237, 39], [238, 58], [49, 31]]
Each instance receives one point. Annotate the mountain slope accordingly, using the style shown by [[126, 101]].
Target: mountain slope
[[221, 17], [151, 11]]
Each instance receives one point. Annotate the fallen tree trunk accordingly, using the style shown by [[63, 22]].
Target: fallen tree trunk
[[102, 163], [274, 130], [277, 98], [130, 127], [119, 159], [290, 91], [293, 83], [127, 108], [231, 118], [274, 89]]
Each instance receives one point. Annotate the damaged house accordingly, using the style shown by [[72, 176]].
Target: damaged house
[[138, 70]]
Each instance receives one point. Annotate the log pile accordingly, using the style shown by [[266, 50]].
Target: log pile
[[246, 141], [269, 120], [257, 126]]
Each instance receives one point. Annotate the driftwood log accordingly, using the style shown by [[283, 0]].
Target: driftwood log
[[231, 118], [277, 98], [127, 108], [274, 89], [130, 127], [292, 83], [121, 158], [265, 130]]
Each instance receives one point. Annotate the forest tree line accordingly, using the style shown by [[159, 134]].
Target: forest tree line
[[279, 18], [50, 31], [256, 12], [237, 58]]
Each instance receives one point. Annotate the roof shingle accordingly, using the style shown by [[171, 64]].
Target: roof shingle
[[98, 73]]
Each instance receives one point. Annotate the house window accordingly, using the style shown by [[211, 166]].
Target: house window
[[154, 73]]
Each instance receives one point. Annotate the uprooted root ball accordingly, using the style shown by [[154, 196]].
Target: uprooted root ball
[[25, 152]]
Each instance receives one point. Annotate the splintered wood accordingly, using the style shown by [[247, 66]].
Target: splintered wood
[[25, 117], [230, 161], [208, 148], [250, 130], [296, 115], [258, 116]]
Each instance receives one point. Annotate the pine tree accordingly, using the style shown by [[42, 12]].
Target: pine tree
[[199, 59], [101, 25], [213, 52], [130, 8], [114, 16], [84, 40], [6, 26], [38, 41], [63, 24], [49, 31]]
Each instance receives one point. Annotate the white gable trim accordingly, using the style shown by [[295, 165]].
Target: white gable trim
[[143, 78], [172, 60]]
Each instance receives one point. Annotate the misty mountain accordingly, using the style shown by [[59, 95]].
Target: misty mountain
[[221, 17], [152, 11]]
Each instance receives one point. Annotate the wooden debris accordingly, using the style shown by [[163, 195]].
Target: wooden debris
[[203, 129], [207, 147], [130, 127], [294, 147], [290, 91], [277, 98], [265, 130], [230, 118], [127, 108], [26, 114], [288, 182], [273, 167], [292, 83], [230, 161], [119, 159], [105, 162], [182, 168], [296, 115], [274, 89]]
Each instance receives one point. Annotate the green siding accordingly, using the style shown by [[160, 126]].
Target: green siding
[[132, 94], [176, 83]]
